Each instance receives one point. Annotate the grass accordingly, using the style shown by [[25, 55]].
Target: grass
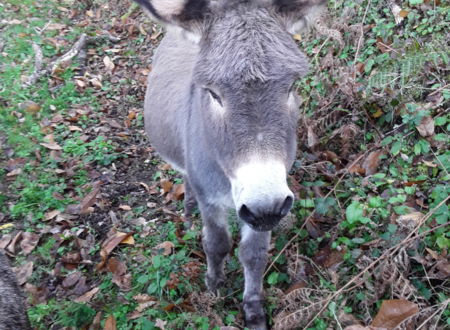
[[374, 96]]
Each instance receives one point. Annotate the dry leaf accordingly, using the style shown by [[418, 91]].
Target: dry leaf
[[120, 276], [410, 220], [312, 140], [110, 323], [160, 324], [393, 312], [87, 297], [14, 172], [372, 162], [166, 185], [23, 273], [129, 240], [52, 214], [125, 207], [426, 127], [166, 246], [108, 63], [29, 242], [6, 226], [110, 244], [51, 146]]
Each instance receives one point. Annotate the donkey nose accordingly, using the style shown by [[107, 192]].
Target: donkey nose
[[263, 215]]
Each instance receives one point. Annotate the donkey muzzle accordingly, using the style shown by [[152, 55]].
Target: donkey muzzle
[[261, 194]]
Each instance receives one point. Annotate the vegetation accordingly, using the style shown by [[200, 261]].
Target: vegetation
[[93, 217]]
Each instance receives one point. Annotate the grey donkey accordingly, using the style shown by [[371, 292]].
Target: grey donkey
[[13, 313], [221, 109]]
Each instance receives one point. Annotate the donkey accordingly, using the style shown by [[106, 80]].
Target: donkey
[[221, 109], [13, 313]]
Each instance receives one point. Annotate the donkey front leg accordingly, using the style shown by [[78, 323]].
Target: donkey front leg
[[216, 244], [253, 255], [190, 203]]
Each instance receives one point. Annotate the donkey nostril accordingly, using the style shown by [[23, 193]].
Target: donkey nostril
[[245, 213], [286, 207]]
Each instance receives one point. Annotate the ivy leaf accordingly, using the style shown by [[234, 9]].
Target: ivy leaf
[[354, 212]]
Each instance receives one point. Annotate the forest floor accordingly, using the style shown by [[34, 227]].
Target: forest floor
[[92, 218]]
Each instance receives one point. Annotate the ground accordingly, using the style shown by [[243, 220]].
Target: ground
[[92, 218]]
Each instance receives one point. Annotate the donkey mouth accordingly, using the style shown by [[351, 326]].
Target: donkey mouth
[[262, 227]]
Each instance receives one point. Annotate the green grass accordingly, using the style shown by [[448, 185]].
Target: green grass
[[354, 216]]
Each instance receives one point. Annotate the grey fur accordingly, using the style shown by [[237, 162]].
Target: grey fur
[[13, 313], [247, 58]]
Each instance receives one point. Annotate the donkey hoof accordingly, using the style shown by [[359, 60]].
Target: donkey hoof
[[214, 283], [255, 317]]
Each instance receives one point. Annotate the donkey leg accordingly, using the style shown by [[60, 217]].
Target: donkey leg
[[216, 244], [190, 203], [253, 256]]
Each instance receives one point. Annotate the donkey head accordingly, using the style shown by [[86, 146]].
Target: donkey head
[[243, 90]]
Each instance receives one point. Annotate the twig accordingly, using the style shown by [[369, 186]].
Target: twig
[[388, 252], [76, 49], [362, 32], [37, 66]]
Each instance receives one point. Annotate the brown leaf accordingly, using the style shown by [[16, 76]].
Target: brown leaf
[[108, 63], [24, 272], [5, 240], [29, 242], [372, 162], [120, 276], [52, 214], [125, 207], [30, 107], [110, 323], [167, 248], [166, 185], [89, 199], [12, 246], [176, 193], [71, 280], [87, 297], [51, 146], [14, 172], [426, 127], [393, 312], [110, 244], [329, 258], [312, 139], [160, 324], [38, 295]]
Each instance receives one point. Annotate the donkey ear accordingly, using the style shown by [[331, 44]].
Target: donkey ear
[[185, 13], [299, 14]]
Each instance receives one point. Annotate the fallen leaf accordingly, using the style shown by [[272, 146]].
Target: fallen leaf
[[51, 146], [125, 207], [5, 240], [120, 276], [29, 242], [176, 193], [71, 280], [14, 172], [30, 107], [87, 297], [160, 324], [24, 272], [426, 126], [166, 185], [167, 248], [129, 240], [52, 214], [394, 312], [110, 244], [312, 139], [108, 63], [6, 226], [110, 323], [410, 220], [372, 162]]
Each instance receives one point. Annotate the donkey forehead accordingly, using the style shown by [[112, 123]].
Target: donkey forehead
[[248, 44]]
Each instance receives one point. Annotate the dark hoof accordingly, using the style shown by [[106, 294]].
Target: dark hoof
[[255, 317], [214, 283]]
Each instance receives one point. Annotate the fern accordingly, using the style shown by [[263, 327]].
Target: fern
[[399, 72]]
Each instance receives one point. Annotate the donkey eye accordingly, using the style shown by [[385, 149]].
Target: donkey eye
[[293, 87], [215, 96]]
